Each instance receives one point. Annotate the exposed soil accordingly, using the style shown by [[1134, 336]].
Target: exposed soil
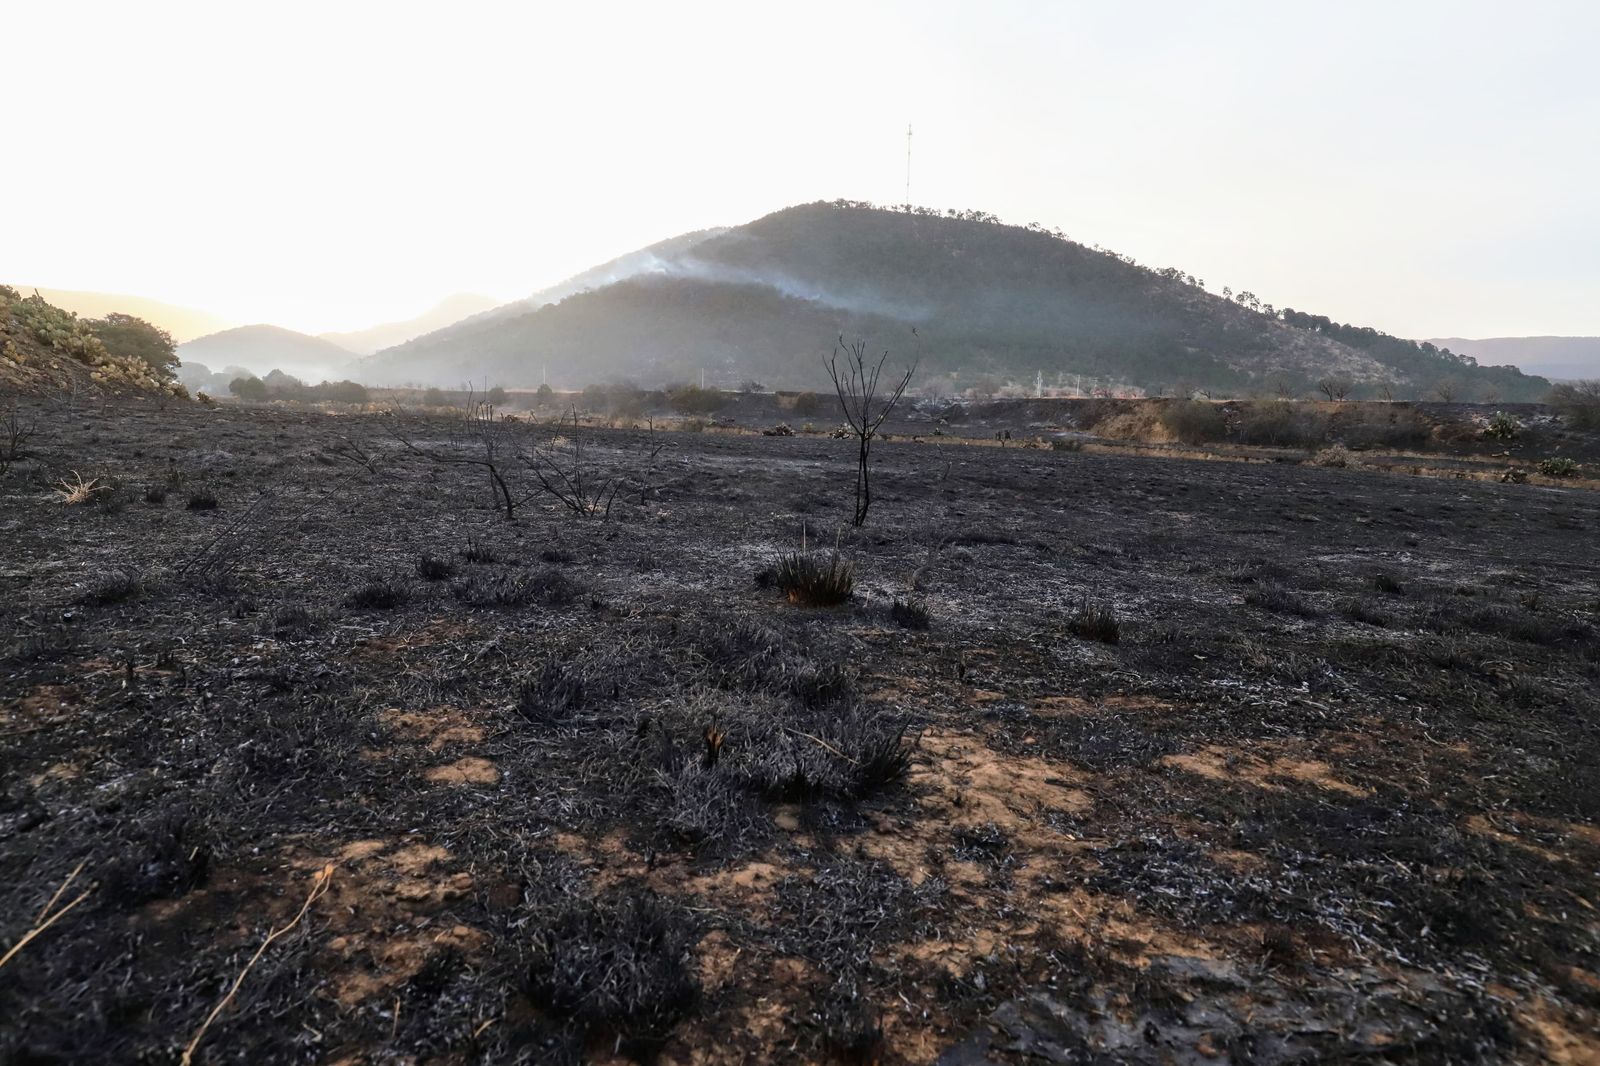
[[593, 790]]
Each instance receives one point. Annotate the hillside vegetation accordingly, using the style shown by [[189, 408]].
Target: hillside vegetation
[[973, 299], [46, 350]]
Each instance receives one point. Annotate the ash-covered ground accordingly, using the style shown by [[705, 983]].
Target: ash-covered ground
[[1155, 760]]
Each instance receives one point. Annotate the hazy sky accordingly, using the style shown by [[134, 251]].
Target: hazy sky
[[1428, 168]]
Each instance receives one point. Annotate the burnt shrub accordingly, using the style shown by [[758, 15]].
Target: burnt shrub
[[549, 587], [551, 695], [481, 554], [202, 500], [1095, 620], [882, 756], [114, 586], [816, 579], [292, 620], [1368, 613], [1194, 421], [166, 860], [1280, 599], [38, 647], [380, 595], [432, 567], [615, 970], [1387, 583], [703, 804], [156, 495], [1279, 422], [909, 614], [807, 403]]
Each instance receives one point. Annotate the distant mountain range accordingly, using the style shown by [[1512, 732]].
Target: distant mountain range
[[970, 298], [261, 349], [446, 312], [1561, 358]]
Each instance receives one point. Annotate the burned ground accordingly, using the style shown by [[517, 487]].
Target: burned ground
[[1107, 758]]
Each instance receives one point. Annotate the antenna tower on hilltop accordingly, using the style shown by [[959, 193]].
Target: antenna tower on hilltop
[[908, 166]]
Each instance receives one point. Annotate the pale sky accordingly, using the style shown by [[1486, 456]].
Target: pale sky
[[1430, 168]]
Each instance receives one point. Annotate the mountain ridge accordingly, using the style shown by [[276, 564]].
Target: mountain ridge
[[982, 299], [1555, 357]]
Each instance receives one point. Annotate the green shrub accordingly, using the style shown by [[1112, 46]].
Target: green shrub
[[1503, 427], [1558, 466]]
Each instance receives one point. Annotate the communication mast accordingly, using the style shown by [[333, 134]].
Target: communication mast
[[908, 166]]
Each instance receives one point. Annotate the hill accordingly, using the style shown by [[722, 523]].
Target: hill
[[972, 298], [184, 323], [450, 310], [1569, 358], [263, 348], [48, 350]]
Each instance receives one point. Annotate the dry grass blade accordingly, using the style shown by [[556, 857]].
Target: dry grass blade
[[78, 490], [319, 888], [43, 922]]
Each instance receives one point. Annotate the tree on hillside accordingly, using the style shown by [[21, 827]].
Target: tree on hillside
[[134, 338], [1334, 388], [250, 388], [857, 386]]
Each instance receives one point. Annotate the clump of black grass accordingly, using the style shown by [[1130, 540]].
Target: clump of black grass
[[114, 586], [292, 620], [550, 696], [555, 555], [1279, 599], [882, 760], [171, 858], [910, 614], [39, 647], [1368, 613], [617, 972], [379, 595], [202, 500], [432, 567], [816, 579], [1095, 620], [156, 495], [479, 553], [1388, 584], [549, 587]]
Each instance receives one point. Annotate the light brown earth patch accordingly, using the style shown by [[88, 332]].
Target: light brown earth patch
[[470, 770], [1264, 768], [436, 727]]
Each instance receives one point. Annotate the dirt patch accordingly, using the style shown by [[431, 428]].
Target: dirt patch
[[469, 770], [1264, 770], [437, 727]]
